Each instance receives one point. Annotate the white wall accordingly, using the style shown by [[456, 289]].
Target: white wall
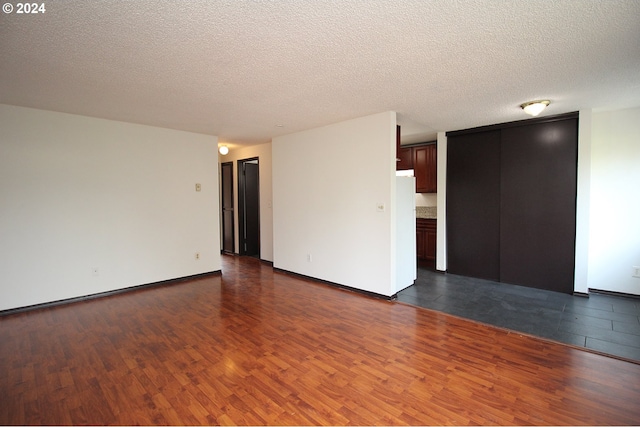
[[441, 225], [263, 152], [583, 194], [426, 199], [327, 184], [81, 193], [614, 239]]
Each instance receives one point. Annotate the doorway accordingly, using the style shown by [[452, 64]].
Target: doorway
[[228, 233], [249, 207]]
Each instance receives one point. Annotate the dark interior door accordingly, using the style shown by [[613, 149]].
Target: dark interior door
[[473, 205], [538, 205], [249, 205], [228, 234]]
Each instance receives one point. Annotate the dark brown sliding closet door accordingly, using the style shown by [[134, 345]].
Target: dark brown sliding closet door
[[511, 202], [538, 205], [473, 205]]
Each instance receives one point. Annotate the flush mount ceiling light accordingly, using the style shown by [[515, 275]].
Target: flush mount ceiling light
[[534, 108], [224, 150]]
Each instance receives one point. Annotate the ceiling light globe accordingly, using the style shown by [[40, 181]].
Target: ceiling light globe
[[535, 107], [224, 150]]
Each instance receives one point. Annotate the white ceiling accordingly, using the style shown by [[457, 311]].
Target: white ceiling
[[237, 69]]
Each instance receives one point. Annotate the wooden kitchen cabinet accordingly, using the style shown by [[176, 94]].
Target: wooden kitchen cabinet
[[425, 168], [423, 159], [405, 159], [426, 241], [404, 155]]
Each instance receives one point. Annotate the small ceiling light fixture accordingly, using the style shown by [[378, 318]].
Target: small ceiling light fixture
[[534, 108], [224, 150]]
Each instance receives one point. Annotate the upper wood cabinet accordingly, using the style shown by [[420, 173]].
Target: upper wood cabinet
[[404, 155], [405, 159], [423, 159], [425, 168]]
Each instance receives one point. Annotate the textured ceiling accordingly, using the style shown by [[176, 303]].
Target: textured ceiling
[[237, 69]]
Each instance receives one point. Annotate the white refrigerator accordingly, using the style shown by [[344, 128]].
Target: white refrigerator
[[406, 257]]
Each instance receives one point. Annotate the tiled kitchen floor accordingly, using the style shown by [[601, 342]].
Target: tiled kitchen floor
[[608, 324]]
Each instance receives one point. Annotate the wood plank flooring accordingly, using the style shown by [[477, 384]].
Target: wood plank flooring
[[258, 347]]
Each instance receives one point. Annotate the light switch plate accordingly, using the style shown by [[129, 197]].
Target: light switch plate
[[198, 187]]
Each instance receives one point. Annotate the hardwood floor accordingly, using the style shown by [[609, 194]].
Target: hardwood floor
[[258, 347]]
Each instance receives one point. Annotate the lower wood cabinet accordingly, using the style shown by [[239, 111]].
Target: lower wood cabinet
[[426, 241]]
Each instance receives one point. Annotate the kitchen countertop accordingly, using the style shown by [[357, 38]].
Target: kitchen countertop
[[426, 212]]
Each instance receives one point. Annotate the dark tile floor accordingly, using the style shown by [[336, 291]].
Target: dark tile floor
[[608, 324]]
